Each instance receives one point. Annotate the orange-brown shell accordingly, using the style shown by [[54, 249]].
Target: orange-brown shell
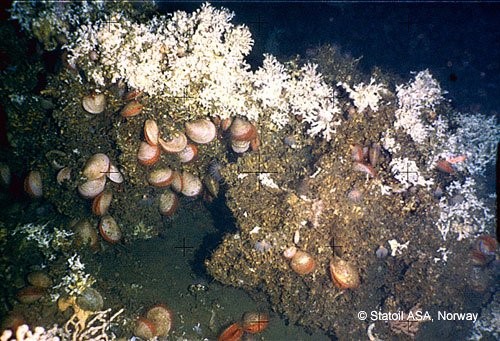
[[161, 317], [254, 322], [303, 263], [242, 130], [147, 154], [344, 274], [144, 328], [151, 132], [101, 203], [175, 145], [131, 109], [201, 131], [232, 333], [162, 177], [33, 184]]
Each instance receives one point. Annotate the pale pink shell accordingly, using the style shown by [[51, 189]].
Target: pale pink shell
[[92, 188], [94, 103], [148, 155], [97, 166], [168, 203], [242, 130], [191, 185], [109, 229], [240, 146], [63, 175], [151, 132], [33, 184], [188, 154], [101, 203], [177, 182], [161, 177], [201, 131], [290, 252], [174, 145], [114, 174]]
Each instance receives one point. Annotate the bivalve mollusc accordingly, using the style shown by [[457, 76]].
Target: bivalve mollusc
[[96, 166], [344, 274], [147, 154], [232, 333], [85, 235], [303, 263], [191, 185], [40, 279], [240, 147], [33, 184], [177, 182], [63, 175], [30, 294], [114, 174], [188, 154], [201, 131], [242, 130], [144, 329], [131, 109], [94, 103], [162, 177], [109, 229], [101, 203], [168, 203], [254, 322], [174, 145], [162, 318], [151, 132], [92, 188]]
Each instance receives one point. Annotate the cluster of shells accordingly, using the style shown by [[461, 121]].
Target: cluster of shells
[[181, 143], [97, 170], [343, 274]]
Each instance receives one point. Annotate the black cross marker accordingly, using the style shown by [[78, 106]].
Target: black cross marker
[[408, 22], [109, 22], [408, 322], [184, 247], [259, 170], [259, 23], [407, 172], [333, 245]]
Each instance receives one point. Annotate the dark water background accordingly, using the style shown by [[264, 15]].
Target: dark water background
[[458, 42]]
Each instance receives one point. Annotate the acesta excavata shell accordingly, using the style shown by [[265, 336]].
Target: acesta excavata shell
[[131, 109], [188, 154], [303, 263], [232, 333], [101, 203], [151, 132], [85, 235], [174, 145], [344, 274], [144, 329], [96, 166], [161, 177], [168, 203], [242, 130], [63, 175], [40, 279], [94, 103], [162, 318], [191, 185], [201, 131], [445, 167], [240, 147], [92, 188], [30, 294], [114, 174], [147, 154], [177, 182], [254, 322], [109, 229], [33, 184]]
